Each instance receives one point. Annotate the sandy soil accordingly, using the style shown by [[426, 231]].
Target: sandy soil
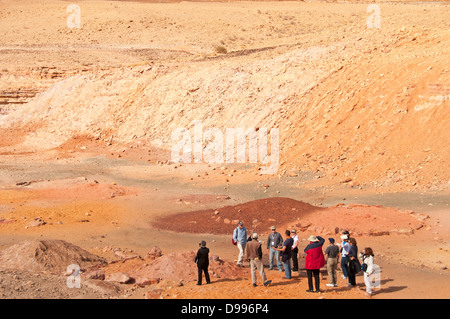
[[86, 116]]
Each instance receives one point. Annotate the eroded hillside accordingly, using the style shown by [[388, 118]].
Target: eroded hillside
[[356, 105]]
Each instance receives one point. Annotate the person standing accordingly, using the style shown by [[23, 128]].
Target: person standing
[[332, 253], [286, 255], [346, 232], [367, 257], [353, 263], [240, 237], [202, 261], [345, 248], [314, 261], [274, 240], [254, 256], [294, 251]]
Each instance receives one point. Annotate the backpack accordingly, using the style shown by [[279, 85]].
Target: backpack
[[364, 265], [232, 239]]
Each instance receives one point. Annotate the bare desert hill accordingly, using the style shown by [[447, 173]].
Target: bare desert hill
[[353, 103]]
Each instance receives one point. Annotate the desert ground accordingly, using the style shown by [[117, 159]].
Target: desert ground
[[88, 113]]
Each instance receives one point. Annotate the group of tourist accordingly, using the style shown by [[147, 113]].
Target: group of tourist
[[283, 251]]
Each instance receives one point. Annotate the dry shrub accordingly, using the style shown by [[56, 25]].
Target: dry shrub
[[220, 49]]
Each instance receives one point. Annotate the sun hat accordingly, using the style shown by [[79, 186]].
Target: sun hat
[[273, 228], [255, 236], [344, 237], [312, 238], [294, 231]]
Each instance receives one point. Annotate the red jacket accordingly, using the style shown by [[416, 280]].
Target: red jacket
[[314, 255]]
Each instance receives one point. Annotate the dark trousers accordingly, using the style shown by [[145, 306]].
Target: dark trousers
[[315, 273], [205, 270], [351, 276], [294, 253]]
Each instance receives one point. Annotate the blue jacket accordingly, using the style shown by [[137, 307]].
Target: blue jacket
[[240, 235]]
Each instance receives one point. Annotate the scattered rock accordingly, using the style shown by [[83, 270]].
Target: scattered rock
[[123, 255], [379, 233], [155, 252], [153, 294], [405, 231], [23, 183], [216, 259], [35, 223], [101, 286], [144, 281], [94, 274], [120, 277]]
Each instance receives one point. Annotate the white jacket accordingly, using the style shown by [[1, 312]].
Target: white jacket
[[369, 261]]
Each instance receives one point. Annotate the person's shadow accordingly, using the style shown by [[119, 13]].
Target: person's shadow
[[226, 280], [386, 289], [286, 282]]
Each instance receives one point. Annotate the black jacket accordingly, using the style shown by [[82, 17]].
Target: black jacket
[[202, 258]]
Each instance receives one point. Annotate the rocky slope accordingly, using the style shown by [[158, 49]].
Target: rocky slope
[[359, 105]]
